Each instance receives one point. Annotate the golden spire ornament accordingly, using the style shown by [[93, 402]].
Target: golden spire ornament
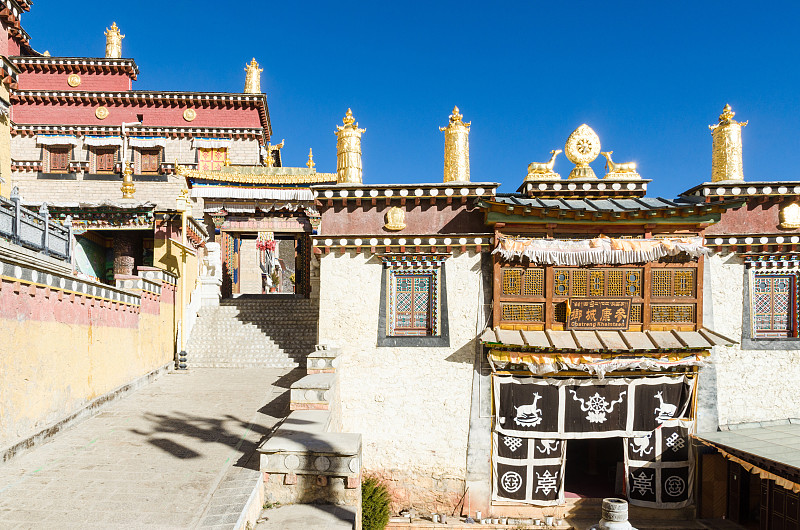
[[582, 147], [348, 151], [252, 78], [726, 155], [113, 42], [456, 148], [310, 164], [128, 188]]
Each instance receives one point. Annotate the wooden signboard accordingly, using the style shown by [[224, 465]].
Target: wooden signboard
[[599, 313]]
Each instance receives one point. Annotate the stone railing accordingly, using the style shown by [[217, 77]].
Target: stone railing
[[33, 230], [308, 460]]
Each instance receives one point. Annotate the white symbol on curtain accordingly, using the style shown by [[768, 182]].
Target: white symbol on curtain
[[641, 445], [511, 481], [548, 446], [597, 406], [546, 482], [665, 411], [643, 483], [675, 442], [512, 443], [674, 486], [529, 415]]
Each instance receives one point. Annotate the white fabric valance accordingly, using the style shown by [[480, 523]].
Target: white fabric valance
[[231, 192], [102, 141], [597, 251], [144, 143], [47, 139], [211, 143]]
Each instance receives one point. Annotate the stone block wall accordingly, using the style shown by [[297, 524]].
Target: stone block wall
[[411, 404], [752, 385], [69, 342]]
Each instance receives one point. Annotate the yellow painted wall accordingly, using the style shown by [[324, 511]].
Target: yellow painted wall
[[52, 369]]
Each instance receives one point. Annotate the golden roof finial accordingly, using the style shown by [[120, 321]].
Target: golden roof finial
[[456, 115], [46, 53], [348, 151], [726, 156], [252, 78], [456, 148], [310, 164], [113, 42]]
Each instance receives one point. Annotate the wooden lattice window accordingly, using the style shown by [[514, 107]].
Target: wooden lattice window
[[523, 312], [524, 282], [597, 282], [105, 158], [669, 283], [150, 159], [412, 304], [683, 313], [774, 303], [59, 158]]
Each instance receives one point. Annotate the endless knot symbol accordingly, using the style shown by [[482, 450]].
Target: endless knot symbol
[[512, 443], [643, 483], [547, 482], [674, 486], [511, 481], [675, 442]]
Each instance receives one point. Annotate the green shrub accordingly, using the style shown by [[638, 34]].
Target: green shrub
[[374, 504]]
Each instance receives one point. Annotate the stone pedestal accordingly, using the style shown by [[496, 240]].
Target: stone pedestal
[[210, 291], [211, 276]]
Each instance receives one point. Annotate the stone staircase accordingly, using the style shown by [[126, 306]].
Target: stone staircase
[[257, 331]]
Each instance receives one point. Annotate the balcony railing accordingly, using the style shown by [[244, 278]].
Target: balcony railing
[[36, 231]]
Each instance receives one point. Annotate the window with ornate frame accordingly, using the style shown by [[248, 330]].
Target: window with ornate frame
[[773, 304], [211, 159], [413, 309], [57, 158], [103, 160]]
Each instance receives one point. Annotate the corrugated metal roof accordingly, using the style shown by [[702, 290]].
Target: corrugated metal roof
[[607, 340], [599, 205], [778, 443]]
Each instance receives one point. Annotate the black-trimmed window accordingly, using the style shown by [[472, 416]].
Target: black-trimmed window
[[150, 160], [105, 158], [413, 308], [774, 305]]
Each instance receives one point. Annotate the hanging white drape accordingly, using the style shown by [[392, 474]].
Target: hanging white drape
[[211, 143], [47, 139], [145, 142], [231, 192], [103, 141]]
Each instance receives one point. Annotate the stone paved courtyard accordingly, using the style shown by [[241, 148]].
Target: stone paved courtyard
[[151, 460]]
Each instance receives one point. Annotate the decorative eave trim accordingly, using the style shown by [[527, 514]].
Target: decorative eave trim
[[783, 262], [717, 190], [596, 188], [169, 132], [186, 98], [416, 244], [244, 178], [9, 73], [755, 244], [76, 64], [413, 261], [11, 14], [404, 192], [530, 213]]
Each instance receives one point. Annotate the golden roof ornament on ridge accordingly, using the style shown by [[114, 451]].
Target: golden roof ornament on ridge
[[726, 154], [252, 78], [113, 42], [544, 170], [348, 150], [456, 148]]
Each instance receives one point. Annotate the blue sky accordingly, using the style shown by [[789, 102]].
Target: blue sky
[[648, 77]]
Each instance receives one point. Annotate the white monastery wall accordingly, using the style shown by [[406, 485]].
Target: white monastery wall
[[411, 404], [752, 385]]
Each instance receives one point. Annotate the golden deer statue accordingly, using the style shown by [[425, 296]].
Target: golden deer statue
[[612, 167], [544, 167]]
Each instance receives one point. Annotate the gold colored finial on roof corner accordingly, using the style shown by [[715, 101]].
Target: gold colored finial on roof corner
[[113, 42], [46, 53], [348, 151], [348, 118], [456, 148], [726, 158], [310, 164], [252, 78]]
